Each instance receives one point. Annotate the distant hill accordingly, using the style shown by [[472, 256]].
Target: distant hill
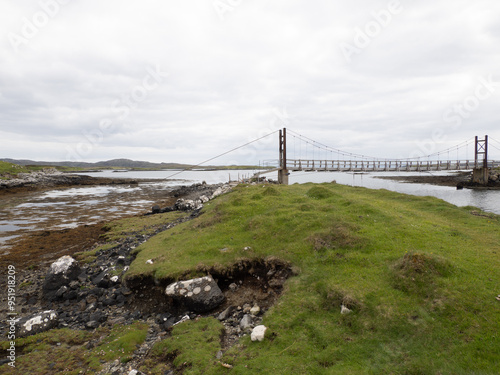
[[114, 163], [118, 163]]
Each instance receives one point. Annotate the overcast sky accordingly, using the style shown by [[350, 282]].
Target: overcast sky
[[182, 81]]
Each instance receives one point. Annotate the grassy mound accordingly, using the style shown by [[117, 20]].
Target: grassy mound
[[411, 312]]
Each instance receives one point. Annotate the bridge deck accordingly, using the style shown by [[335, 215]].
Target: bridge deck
[[384, 166]]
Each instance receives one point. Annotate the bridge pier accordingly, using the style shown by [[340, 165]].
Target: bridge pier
[[480, 176]]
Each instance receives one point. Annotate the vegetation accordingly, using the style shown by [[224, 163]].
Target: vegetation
[[69, 351], [419, 275]]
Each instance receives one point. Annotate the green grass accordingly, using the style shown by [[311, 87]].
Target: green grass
[[9, 169], [65, 350], [420, 275]]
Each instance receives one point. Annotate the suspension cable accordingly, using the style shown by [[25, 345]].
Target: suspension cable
[[224, 153]]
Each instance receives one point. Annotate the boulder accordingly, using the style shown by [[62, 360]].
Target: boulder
[[37, 323], [188, 204], [258, 333], [198, 295], [61, 273]]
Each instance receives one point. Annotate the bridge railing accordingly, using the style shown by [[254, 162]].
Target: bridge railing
[[384, 165]]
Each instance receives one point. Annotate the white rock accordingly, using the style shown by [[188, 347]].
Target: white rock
[[62, 264], [344, 310], [258, 333], [255, 310], [149, 261], [114, 279]]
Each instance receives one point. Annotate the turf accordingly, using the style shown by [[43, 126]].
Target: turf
[[420, 276]]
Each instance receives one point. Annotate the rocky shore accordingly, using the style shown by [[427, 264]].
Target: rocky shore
[[50, 178], [92, 292]]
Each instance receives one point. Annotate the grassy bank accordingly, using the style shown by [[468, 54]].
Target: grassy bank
[[419, 275]]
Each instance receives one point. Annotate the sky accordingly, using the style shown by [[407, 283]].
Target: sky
[[184, 81]]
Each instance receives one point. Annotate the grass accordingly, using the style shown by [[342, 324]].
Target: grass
[[65, 350], [420, 276]]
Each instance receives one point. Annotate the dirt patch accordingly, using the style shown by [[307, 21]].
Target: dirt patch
[[246, 282], [44, 247]]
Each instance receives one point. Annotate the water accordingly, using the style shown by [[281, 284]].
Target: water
[[68, 208], [486, 200]]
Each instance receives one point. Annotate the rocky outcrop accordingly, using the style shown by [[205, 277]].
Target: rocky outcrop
[[194, 197], [61, 273], [198, 295]]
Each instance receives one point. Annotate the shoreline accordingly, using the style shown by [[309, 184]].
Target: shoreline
[[458, 180]]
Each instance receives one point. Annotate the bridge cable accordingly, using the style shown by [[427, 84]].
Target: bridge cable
[[224, 153]]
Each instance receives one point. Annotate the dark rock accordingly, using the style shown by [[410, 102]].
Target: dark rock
[[155, 209], [61, 272], [198, 295], [98, 316], [101, 280], [71, 294]]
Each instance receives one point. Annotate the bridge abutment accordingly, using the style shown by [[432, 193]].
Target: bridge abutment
[[480, 176]]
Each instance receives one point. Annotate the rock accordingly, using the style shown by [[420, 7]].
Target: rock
[[101, 280], [255, 310], [246, 322], [226, 313], [38, 323], [188, 204], [344, 310], [92, 324], [233, 286], [258, 333], [155, 209], [198, 295], [61, 273], [149, 261]]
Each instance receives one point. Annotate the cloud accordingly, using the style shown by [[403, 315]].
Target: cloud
[[86, 73]]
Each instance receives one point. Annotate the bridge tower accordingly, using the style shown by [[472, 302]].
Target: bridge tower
[[481, 172], [283, 171]]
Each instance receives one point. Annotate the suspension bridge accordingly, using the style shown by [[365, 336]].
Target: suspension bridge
[[323, 159]]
